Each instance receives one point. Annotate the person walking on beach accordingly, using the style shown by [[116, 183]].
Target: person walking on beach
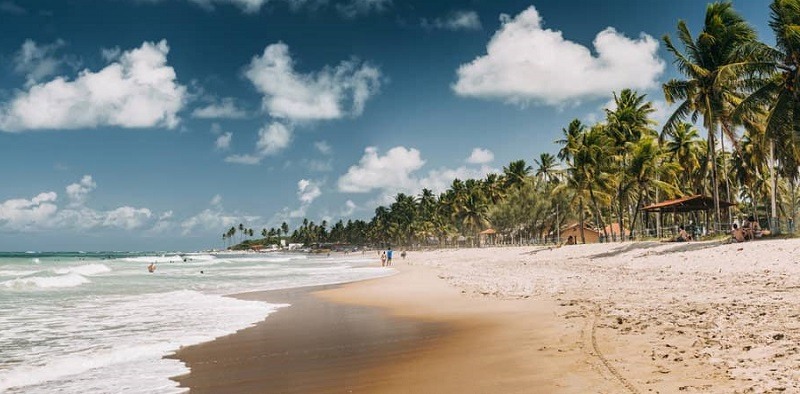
[[389, 256], [383, 259]]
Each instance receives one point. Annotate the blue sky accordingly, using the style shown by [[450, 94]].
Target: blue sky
[[156, 124]]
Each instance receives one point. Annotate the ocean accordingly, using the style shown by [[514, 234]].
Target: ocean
[[101, 323]]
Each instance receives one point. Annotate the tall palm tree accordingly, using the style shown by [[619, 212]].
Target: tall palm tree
[[712, 64]]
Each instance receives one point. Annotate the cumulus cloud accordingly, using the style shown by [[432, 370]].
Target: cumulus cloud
[[42, 212], [214, 218], [527, 63], [77, 192], [331, 93], [127, 218], [390, 171], [272, 138], [354, 8], [458, 20], [397, 172], [225, 109], [307, 191], [223, 142], [139, 90], [480, 156]]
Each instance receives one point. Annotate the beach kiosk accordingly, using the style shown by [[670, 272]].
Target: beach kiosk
[[683, 206]]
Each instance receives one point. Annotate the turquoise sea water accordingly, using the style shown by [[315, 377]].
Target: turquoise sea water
[[101, 323]]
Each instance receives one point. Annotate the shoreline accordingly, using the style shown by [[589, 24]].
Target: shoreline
[[698, 317], [409, 332]]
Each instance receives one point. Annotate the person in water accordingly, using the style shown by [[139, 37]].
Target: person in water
[[383, 259], [151, 268]]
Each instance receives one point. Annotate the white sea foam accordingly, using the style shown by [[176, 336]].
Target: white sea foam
[[16, 273], [130, 333], [46, 282], [87, 269]]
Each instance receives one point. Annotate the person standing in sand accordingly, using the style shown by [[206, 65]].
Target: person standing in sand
[[389, 256]]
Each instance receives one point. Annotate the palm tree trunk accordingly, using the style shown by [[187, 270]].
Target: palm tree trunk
[[597, 213], [725, 172], [635, 213], [774, 200], [715, 187], [580, 214]]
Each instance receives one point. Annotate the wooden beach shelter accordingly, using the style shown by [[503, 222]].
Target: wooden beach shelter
[[487, 236], [683, 205]]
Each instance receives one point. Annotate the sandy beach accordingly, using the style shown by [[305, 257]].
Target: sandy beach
[[605, 318]]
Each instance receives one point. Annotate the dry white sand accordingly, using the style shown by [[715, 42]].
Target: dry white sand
[[656, 317]]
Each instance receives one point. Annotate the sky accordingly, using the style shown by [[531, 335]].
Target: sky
[[158, 124]]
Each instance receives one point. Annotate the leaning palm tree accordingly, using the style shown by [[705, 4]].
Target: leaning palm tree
[[712, 63]]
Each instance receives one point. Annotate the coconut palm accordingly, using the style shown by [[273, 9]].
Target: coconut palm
[[547, 168], [712, 64], [515, 173]]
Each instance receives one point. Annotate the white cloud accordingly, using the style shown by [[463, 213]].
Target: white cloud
[[247, 6], [214, 219], [319, 165], [226, 109], [127, 218], [390, 171], [43, 213], [223, 142], [354, 8], [331, 93], [527, 63], [323, 147], [458, 20], [243, 159], [307, 191], [273, 139], [37, 62], [77, 192], [139, 90], [396, 172], [439, 180], [25, 215], [480, 156]]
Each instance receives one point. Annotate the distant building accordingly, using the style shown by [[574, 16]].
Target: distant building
[[613, 232], [591, 235], [295, 246]]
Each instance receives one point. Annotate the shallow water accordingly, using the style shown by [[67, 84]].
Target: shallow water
[[99, 322]]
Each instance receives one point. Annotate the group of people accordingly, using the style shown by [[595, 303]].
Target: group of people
[[386, 257], [749, 230]]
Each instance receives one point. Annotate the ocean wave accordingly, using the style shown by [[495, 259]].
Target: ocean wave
[[87, 269], [110, 345], [46, 282]]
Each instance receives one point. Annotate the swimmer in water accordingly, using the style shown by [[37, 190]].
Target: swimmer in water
[[151, 268]]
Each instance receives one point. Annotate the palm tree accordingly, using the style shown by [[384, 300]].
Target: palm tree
[[626, 125], [547, 168], [516, 172], [712, 64], [777, 89]]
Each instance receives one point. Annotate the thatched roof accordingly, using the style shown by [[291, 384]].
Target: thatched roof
[[686, 204]]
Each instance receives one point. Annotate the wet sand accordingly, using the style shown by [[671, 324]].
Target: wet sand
[[408, 333]]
